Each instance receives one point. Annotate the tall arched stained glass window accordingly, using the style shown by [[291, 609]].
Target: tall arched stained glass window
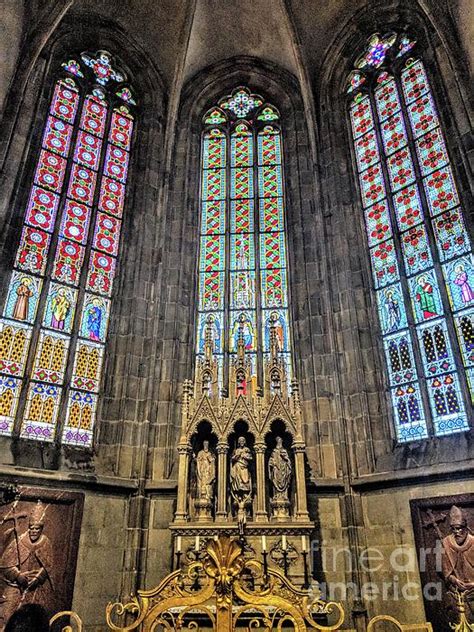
[[55, 317], [242, 261], [420, 252]]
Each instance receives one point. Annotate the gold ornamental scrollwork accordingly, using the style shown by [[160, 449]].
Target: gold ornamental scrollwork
[[231, 588]]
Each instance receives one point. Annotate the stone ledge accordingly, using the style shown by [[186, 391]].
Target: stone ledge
[[84, 481]]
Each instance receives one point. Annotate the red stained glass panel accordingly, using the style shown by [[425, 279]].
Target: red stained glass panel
[[33, 250], [50, 171], [94, 113], [107, 234], [68, 262], [121, 130], [75, 221], [101, 273], [116, 163], [42, 208], [81, 184], [87, 150], [57, 136], [65, 101], [112, 195]]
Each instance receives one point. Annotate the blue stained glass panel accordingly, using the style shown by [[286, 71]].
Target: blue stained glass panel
[[409, 415], [274, 288], [400, 169], [422, 113], [279, 317], [441, 191], [211, 291], [245, 320], [386, 99], [446, 404], [216, 322], [414, 81], [241, 216], [242, 289], [465, 330], [94, 318], [361, 117], [394, 135], [425, 297], [416, 251], [391, 309], [272, 250], [214, 150], [408, 207], [213, 184], [367, 152], [459, 277], [452, 239], [213, 217], [384, 263], [470, 381], [372, 185], [80, 419], [378, 225], [60, 308], [39, 421], [242, 251], [270, 182], [400, 361], [241, 183], [431, 151], [241, 150], [9, 394], [269, 147], [271, 214], [212, 253], [435, 348], [23, 295]]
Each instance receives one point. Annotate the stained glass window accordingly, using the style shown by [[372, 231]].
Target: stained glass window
[[420, 252], [242, 260], [55, 317]]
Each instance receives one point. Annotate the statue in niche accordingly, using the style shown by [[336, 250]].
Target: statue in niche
[[458, 558], [279, 471], [27, 564], [205, 478], [241, 479]]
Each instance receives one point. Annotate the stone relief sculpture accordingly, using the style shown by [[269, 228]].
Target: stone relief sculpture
[[205, 478], [27, 564], [39, 538], [279, 471], [458, 557]]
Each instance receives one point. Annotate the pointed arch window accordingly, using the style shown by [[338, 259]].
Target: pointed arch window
[[242, 261], [55, 317], [420, 252]]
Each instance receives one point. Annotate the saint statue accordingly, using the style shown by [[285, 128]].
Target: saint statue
[[425, 297], [22, 304], [462, 281], [60, 308], [205, 474], [279, 471], [240, 477], [26, 565]]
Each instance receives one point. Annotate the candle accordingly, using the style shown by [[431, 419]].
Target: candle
[[178, 544], [196, 545], [264, 542], [283, 542], [303, 543]]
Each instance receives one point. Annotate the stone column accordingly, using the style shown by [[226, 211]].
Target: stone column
[[301, 502], [261, 508], [222, 450], [184, 451]]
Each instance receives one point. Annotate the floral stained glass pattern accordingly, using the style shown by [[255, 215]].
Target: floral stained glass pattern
[[434, 249], [85, 142]]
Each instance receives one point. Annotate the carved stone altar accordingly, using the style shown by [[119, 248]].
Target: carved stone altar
[[254, 437]]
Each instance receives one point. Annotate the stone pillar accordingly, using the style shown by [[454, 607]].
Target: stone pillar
[[301, 502], [261, 508], [184, 451], [222, 450]]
